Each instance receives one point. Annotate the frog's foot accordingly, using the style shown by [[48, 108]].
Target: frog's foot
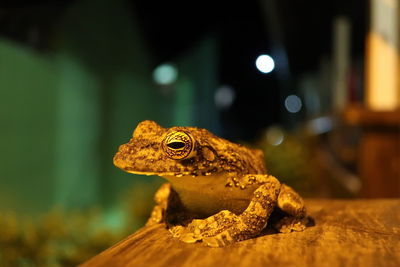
[[291, 224], [226, 227], [206, 229], [292, 204]]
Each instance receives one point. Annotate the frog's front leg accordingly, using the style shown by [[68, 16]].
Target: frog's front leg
[[161, 198], [226, 227], [168, 208]]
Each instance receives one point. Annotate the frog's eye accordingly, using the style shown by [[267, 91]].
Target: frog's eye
[[177, 145]]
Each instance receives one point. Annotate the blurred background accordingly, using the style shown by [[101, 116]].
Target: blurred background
[[315, 84]]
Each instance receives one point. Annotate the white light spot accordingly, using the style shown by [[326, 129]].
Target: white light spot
[[274, 135], [321, 125], [265, 63], [165, 74], [293, 103], [224, 96]]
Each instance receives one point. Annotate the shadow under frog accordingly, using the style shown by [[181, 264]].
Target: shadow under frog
[[218, 192]]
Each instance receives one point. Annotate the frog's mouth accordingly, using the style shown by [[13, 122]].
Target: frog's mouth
[[149, 173], [140, 161], [141, 172], [161, 174], [128, 167], [120, 162]]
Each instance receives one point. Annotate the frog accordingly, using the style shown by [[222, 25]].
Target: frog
[[217, 192]]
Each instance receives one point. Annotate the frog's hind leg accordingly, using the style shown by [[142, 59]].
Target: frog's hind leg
[[225, 227], [293, 205]]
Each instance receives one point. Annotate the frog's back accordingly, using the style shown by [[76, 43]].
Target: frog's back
[[230, 157]]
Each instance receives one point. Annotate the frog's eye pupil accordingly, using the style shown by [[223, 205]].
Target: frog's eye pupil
[[176, 145]]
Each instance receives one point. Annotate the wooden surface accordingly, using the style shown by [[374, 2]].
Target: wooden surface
[[346, 233]]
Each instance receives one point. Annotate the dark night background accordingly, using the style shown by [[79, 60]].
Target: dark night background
[[76, 77], [301, 30]]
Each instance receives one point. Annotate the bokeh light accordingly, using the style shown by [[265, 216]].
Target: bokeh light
[[165, 74], [274, 135], [293, 103], [224, 96], [265, 63]]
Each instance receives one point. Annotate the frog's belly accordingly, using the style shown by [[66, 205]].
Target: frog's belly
[[206, 195], [206, 204]]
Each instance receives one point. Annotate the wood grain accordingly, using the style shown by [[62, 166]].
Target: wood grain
[[346, 233]]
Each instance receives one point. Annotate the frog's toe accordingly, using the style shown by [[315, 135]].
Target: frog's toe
[[219, 240], [185, 234], [177, 230], [189, 238], [291, 224]]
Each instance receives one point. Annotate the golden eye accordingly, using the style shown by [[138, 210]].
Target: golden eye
[[177, 145]]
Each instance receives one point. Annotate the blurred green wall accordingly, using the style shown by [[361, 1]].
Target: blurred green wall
[[64, 113], [28, 128]]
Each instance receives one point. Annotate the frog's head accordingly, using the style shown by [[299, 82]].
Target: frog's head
[[182, 151]]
